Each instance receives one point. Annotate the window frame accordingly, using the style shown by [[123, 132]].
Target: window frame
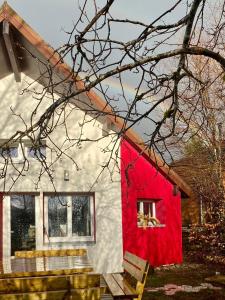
[[150, 201], [70, 237]]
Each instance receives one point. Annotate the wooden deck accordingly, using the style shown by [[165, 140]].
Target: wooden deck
[[51, 277]]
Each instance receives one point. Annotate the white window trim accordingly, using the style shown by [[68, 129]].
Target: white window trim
[[70, 238]]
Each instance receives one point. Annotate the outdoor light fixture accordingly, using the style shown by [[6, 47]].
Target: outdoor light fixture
[[66, 175]]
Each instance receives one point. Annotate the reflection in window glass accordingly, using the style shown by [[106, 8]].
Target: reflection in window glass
[[57, 216], [22, 222], [37, 152], [147, 208], [81, 216], [9, 152]]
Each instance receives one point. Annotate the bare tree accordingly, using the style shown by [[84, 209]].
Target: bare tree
[[156, 58], [203, 147]]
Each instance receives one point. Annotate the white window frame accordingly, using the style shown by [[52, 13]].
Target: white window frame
[[70, 237]]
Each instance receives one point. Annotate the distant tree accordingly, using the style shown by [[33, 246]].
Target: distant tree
[[203, 146], [203, 162]]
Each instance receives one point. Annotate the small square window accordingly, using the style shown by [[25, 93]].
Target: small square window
[[146, 213]]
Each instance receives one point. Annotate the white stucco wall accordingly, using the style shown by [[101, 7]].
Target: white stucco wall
[[106, 252]]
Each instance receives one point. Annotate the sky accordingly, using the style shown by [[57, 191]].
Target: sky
[[50, 17]]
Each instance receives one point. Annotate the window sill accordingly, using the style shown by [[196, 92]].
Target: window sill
[[69, 240], [153, 226], [12, 161], [19, 161]]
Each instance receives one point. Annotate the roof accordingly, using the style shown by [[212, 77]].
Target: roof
[[22, 61], [185, 167]]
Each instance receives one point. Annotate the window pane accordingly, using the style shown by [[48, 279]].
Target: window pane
[[22, 222], [9, 152], [146, 208], [151, 210], [37, 152], [57, 216], [81, 216]]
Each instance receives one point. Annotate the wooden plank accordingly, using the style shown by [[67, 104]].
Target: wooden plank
[[125, 286], [47, 253], [78, 294], [82, 281], [113, 286], [49, 283], [9, 43], [47, 273], [135, 260], [133, 271], [106, 297], [43, 266]]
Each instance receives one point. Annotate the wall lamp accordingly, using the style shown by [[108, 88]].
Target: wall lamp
[[66, 175]]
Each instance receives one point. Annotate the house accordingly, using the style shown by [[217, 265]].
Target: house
[[191, 208], [133, 204]]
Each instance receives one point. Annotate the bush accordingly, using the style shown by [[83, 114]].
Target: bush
[[208, 240]]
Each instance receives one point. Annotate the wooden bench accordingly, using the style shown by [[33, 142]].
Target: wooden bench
[[47, 253], [122, 285]]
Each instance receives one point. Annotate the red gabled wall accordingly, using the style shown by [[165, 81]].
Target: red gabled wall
[[1, 225], [140, 179]]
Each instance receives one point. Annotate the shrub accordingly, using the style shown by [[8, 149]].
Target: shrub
[[208, 240]]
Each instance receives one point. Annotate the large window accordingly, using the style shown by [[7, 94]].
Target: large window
[[146, 213], [69, 217]]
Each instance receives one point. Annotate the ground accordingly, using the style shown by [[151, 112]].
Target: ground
[[188, 276]]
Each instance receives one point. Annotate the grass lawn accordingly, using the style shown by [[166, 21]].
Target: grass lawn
[[190, 274]]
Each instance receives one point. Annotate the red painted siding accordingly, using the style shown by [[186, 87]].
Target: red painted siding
[[1, 225], [140, 179]]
